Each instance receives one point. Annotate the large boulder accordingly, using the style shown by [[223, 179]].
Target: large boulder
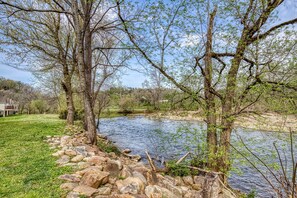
[[130, 185], [114, 167], [94, 178]]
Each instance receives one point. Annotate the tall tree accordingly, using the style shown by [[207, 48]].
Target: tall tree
[[215, 41], [88, 19]]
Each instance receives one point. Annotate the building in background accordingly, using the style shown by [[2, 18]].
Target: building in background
[[7, 107]]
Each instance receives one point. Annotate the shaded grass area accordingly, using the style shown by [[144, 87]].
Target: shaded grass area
[[27, 168]]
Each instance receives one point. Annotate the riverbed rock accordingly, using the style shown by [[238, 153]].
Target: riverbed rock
[[64, 140], [90, 169], [140, 176], [81, 150], [70, 177], [73, 195], [96, 160], [104, 190], [68, 186], [83, 165], [131, 185], [172, 188], [154, 191], [85, 190], [113, 167], [94, 178], [64, 159], [70, 152], [188, 180], [77, 158], [58, 153], [194, 194], [125, 172]]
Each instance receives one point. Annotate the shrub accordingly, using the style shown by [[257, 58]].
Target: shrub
[[177, 169]]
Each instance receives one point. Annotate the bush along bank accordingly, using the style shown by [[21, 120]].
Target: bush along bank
[[100, 174]]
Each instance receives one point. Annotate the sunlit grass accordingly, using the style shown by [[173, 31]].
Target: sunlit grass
[[27, 168]]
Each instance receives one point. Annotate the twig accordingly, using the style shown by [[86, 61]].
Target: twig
[[205, 171], [182, 158]]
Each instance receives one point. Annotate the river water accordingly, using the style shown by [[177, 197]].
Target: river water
[[169, 139]]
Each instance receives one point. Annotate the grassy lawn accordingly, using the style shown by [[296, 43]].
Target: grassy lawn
[[27, 168]]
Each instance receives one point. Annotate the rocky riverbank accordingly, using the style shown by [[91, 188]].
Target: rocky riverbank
[[106, 175]]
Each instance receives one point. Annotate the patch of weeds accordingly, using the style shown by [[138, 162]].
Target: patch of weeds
[[177, 169], [108, 147]]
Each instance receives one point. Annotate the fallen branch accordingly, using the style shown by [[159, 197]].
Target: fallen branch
[[151, 162], [182, 158], [205, 171]]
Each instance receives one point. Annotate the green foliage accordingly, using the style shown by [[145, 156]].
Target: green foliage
[[177, 169], [39, 106], [251, 194], [27, 167], [108, 147]]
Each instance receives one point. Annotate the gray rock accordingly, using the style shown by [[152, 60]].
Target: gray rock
[[63, 160]]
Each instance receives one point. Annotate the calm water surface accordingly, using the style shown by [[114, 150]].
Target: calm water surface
[[155, 135]]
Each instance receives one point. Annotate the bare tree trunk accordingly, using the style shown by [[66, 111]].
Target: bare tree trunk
[[69, 101], [84, 58]]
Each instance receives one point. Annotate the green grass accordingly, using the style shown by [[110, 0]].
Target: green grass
[[27, 168]]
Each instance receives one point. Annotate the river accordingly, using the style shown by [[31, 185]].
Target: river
[[168, 139]]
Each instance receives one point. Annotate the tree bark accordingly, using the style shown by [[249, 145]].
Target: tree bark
[[210, 99]]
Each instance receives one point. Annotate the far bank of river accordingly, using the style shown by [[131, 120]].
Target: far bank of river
[[264, 122]]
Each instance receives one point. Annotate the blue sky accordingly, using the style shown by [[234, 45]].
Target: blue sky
[[130, 78]]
